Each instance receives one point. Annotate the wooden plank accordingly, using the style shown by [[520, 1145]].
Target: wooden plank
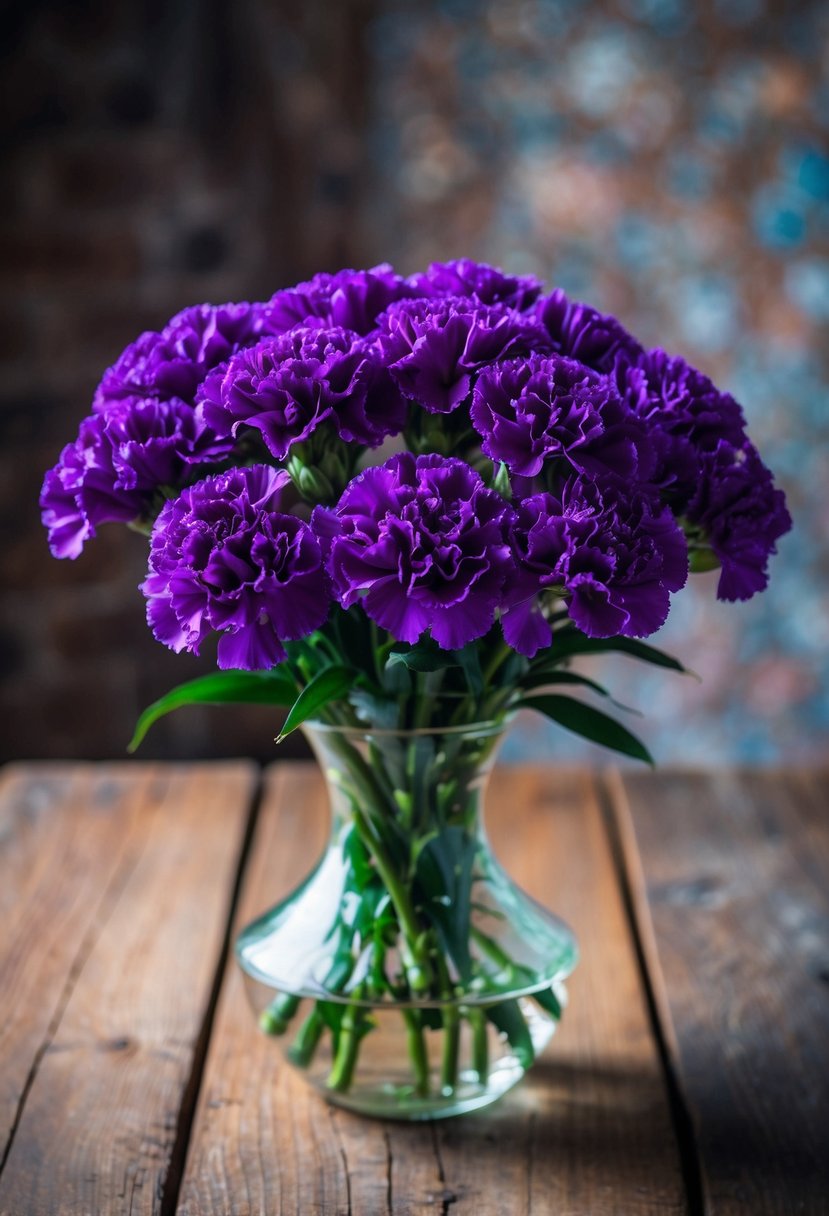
[[123, 876], [261, 1142], [47, 922], [730, 880], [588, 1132]]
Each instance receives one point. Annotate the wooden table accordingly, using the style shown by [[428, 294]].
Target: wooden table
[[690, 1074]]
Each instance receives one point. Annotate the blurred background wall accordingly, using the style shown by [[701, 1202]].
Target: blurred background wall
[[662, 159]]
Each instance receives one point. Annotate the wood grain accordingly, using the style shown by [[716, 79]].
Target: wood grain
[[118, 880], [588, 1132], [730, 878]]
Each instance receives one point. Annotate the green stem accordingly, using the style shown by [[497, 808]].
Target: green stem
[[308, 1036], [480, 1044], [451, 1047], [491, 948], [451, 1030], [418, 1055], [353, 1021], [499, 656], [278, 1015], [415, 954]]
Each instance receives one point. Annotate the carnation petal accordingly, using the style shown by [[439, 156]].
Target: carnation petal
[[250, 648], [525, 627]]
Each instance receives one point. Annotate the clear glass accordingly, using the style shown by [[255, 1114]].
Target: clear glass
[[408, 976]]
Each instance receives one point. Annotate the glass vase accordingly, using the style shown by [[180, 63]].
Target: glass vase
[[408, 976]]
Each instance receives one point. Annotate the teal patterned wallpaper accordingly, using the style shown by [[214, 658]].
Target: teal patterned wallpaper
[[668, 162]]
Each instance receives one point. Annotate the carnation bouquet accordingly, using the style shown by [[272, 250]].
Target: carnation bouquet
[[401, 508]]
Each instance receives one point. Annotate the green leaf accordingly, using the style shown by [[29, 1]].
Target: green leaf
[[590, 723], [543, 678], [328, 685], [469, 660], [548, 1000], [379, 712], [509, 1019], [218, 688], [444, 878], [548, 678], [567, 642], [425, 656]]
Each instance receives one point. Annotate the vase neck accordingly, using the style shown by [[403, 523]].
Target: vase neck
[[423, 781]]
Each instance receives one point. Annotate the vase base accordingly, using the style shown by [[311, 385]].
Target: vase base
[[403, 1104], [462, 1062]]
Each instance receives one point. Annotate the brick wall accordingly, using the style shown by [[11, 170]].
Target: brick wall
[[155, 155]]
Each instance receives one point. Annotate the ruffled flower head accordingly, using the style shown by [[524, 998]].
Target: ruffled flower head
[[117, 464], [528, 411], [582, 333], [611, 551], [434, 347], [351, 299], [224, 558], [486, 283], [287, 387], [685, 414], [174, 362], [421, 544], [742, 516]]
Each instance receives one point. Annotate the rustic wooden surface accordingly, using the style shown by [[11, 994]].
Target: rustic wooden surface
[[690, 1073], [730, 882]]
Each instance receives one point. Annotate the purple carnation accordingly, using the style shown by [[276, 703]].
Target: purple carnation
[[173, 363], [224, 558], [582, 333], [742, 516], [613, 551], [530, 410], [351, 299], [486, 283], [686, 416], [433, 347], [80, 492], [118, 462], [420, 542], [287, 387]]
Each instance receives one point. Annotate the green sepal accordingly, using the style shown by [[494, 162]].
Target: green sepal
[[701, 560]]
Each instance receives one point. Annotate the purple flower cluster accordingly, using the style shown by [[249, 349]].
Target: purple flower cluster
[[614, 459], [423, 545], [225, 558]]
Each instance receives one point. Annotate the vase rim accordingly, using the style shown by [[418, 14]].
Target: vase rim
[[486, 727]]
